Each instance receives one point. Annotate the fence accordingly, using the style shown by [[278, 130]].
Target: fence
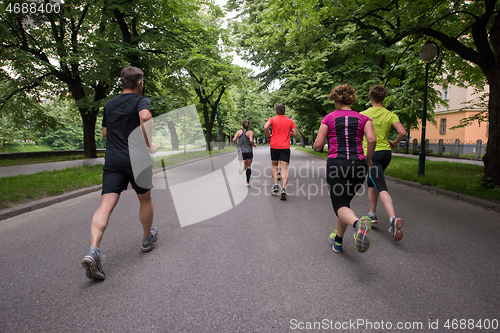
[[453, 148]]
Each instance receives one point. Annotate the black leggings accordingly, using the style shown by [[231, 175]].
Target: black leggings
[[344, 178], [381, 160]]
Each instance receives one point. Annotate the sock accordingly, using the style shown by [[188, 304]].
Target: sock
[[249, 172], [338, 239], [355, 224], [392, 219]]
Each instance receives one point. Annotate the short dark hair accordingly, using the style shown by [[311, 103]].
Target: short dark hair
[[344, 94], [130, 77], [245, 123], [378, 93], [280, 109]]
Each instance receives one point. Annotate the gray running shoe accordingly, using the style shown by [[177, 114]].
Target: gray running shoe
[[276, 190], [373, 217], [147, 242], [92, 264]]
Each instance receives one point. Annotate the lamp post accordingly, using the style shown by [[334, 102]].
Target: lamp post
[[218, 123], [428, 53]]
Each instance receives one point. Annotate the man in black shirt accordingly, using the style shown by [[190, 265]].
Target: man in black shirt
[[122, 115]]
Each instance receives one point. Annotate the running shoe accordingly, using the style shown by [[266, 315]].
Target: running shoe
[[373, 217], [361, 238], [396, 228], [147, 242], [336, 246], [248, 184], [92, 264], [276, 190], [283, 194], [241, 169]]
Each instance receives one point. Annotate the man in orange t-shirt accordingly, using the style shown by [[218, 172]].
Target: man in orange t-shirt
[[282, 128]]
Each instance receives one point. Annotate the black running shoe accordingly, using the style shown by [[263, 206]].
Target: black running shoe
[[276, 190], [283, 194]]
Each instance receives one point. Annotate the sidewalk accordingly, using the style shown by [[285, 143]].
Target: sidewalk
[[29, 169]]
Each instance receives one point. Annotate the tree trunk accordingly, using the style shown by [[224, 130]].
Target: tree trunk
[[173, 135], [302, 137], [89, 118], [491, 158]]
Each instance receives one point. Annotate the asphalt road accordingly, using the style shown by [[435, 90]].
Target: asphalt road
[[258, 265]]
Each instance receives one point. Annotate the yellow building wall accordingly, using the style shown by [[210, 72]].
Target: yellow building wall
[[457, 98], [470, 133]]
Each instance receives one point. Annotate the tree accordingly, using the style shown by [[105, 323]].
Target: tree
[[211, 72], [468, 32], [80, 50]]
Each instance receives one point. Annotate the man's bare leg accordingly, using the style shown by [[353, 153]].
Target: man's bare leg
[[146, 212], [101, 217]]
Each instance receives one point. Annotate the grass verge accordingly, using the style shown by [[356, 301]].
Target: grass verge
[[457, 177], [23, 188]]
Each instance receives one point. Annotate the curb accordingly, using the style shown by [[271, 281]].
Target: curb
[[462, 197], [42, 203], [14, 211]]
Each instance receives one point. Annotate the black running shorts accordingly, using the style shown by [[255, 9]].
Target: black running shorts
[[344, 178], [247, 156], [116, 180], [280, 155], [381, 160]]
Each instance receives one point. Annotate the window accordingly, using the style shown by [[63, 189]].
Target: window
[[443, 126], [446, 94]]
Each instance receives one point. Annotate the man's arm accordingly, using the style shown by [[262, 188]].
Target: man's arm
[[147, 129], [294, 132], [266, 129], [104, 133]]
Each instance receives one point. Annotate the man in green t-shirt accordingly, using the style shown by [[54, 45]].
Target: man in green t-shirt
[[382, 120]]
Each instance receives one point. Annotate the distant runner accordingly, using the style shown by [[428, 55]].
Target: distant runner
[[282, 127], [245, 147]]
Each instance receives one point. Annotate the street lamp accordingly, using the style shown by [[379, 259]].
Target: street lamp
[[428, 53]]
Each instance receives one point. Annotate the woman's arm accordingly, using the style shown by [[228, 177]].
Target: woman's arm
[[401, 134], [371, 138], [321, 137]]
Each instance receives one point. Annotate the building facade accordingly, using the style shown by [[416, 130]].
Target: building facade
[[446, 118]]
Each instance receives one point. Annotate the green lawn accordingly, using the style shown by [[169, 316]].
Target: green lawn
[[457, 177], [17, 189]]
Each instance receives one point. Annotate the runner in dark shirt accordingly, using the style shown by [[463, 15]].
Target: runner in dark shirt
[[122, 116]]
